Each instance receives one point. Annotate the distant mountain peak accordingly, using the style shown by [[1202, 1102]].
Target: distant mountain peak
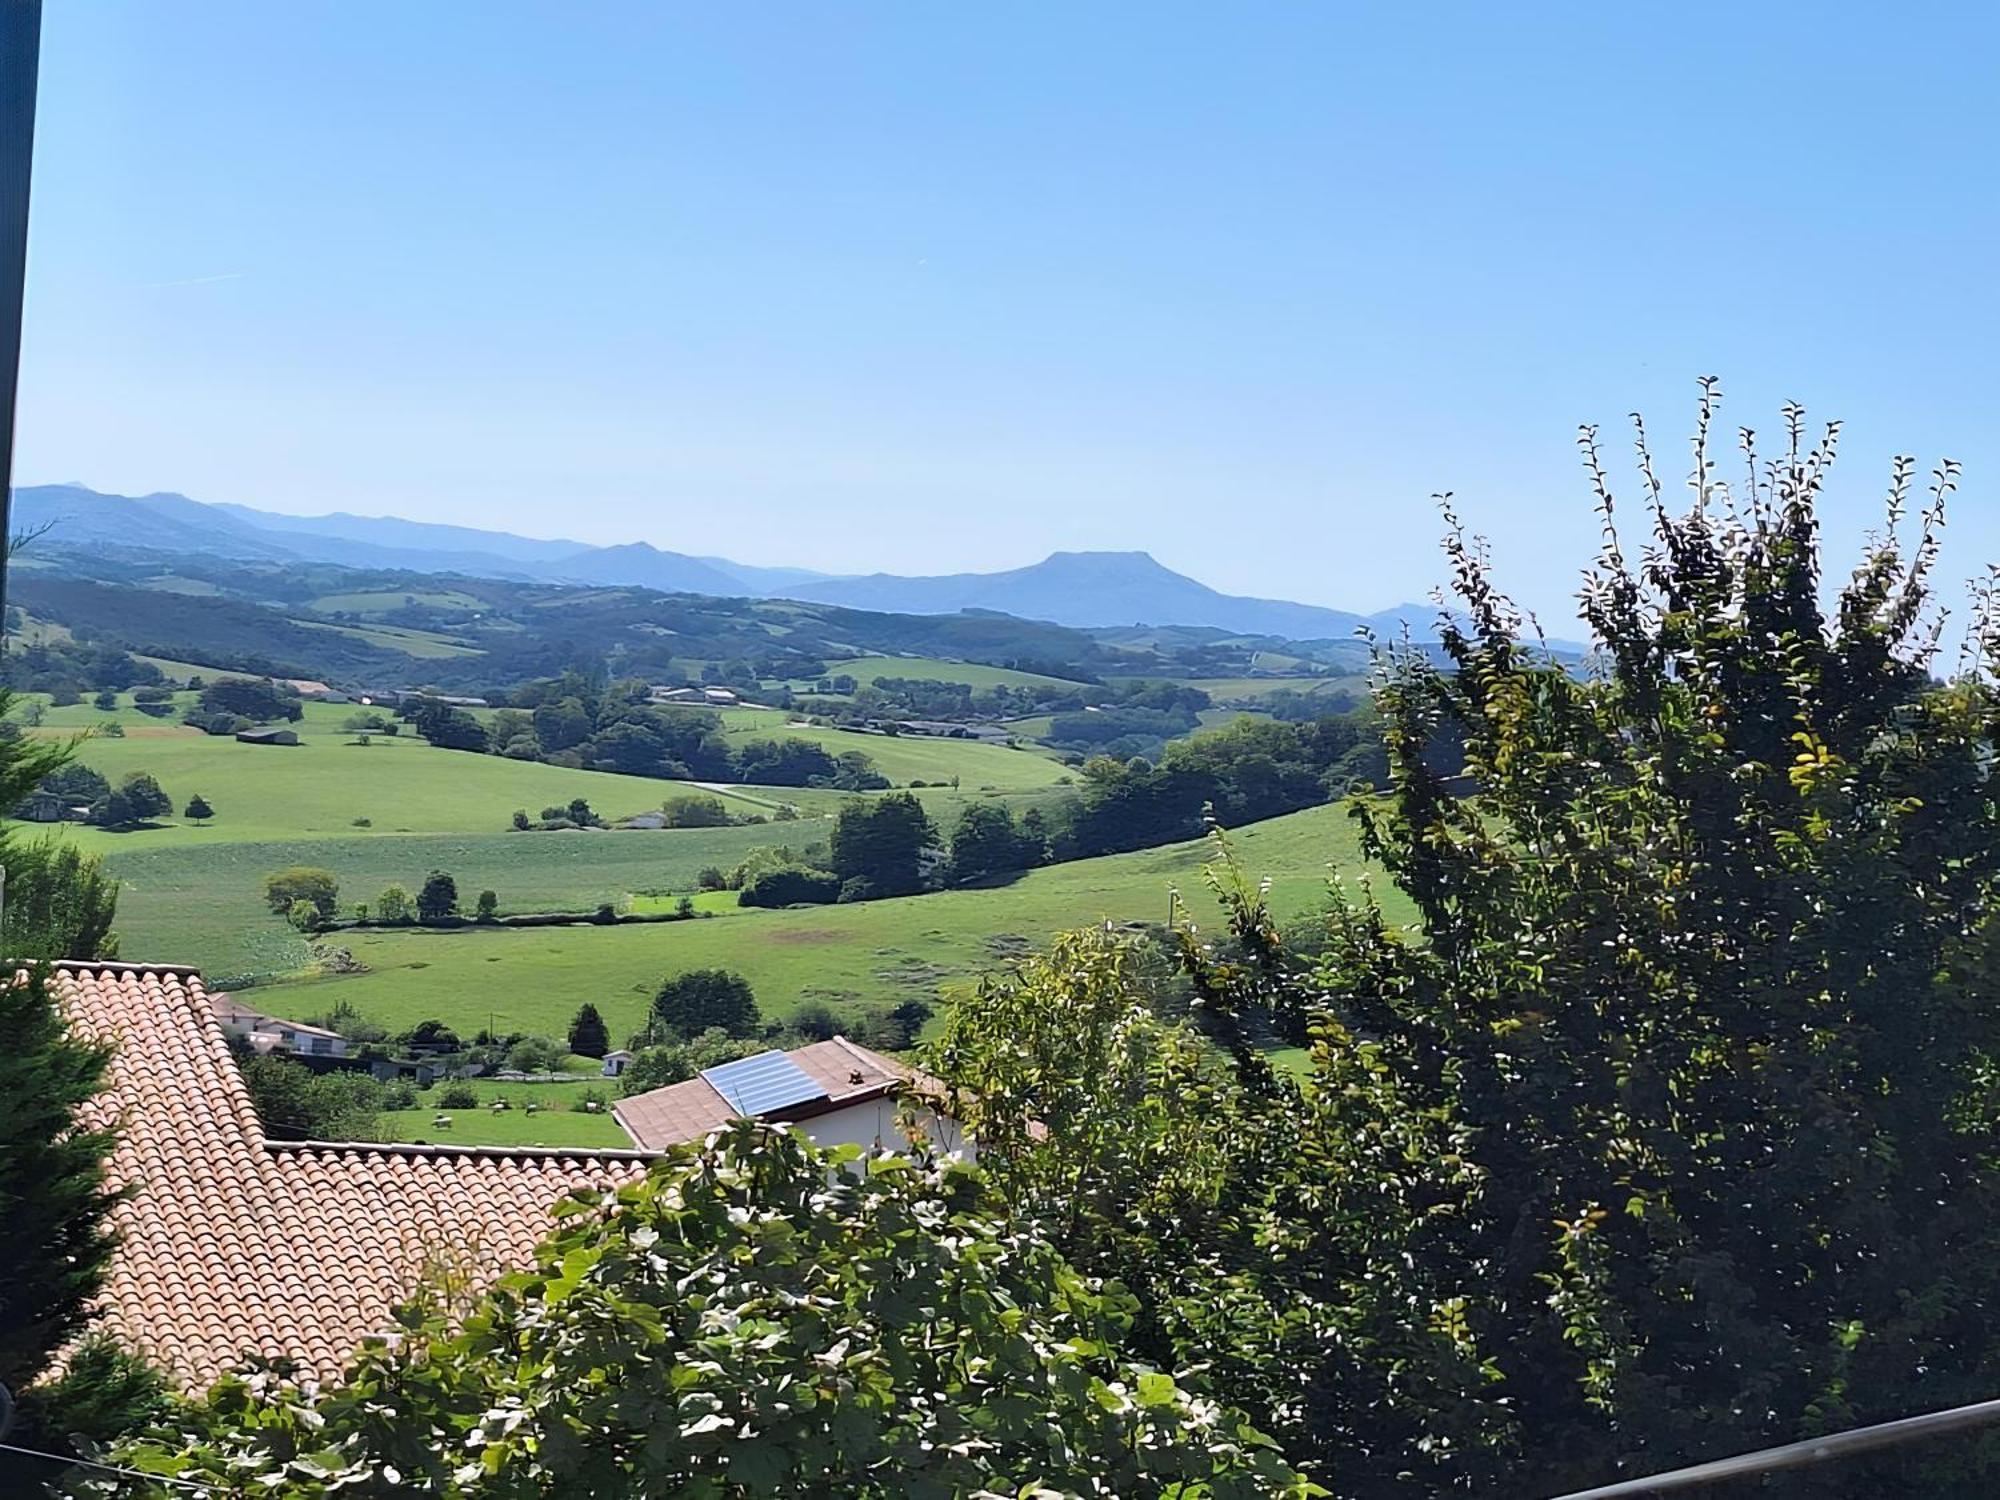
[[1084, 588]]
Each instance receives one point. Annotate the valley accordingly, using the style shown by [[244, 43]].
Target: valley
[[453, 723]]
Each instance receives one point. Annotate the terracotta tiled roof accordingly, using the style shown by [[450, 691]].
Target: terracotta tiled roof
[[678, 1112], [684, 1111], [230, 1244]]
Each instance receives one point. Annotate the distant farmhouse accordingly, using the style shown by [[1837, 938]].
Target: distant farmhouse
[[838, 1092], [711, 697], [274, 1034]]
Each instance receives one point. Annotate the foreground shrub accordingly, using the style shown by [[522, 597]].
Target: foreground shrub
[[756, 1317]]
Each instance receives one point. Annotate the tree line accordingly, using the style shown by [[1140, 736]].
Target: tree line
[[573, 722]]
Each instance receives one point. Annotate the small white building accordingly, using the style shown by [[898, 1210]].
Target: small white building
[[838, 1092], [615, 1063], [275, 1034]]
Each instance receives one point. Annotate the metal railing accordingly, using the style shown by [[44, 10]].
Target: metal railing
[[1801, 1455]]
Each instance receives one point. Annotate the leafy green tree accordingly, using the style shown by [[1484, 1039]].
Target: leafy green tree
[[134, 800], [487, 907], [790, 885], [588, 1035], [654, 1067], [521, 823], [883, 841], [1704, 1001], [986, 842], [536, 1054], [302, 883], [143, 795], [891, 1331], [257, 699], [696, 812], [60, 903], [438, 898], [393, 905], [105, 702], [197, 809], [688, 1004], [76, 783], [294, 1103], [563, 725], [305, 916]]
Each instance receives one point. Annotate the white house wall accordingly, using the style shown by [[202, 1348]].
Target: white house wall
[[873, 1122]]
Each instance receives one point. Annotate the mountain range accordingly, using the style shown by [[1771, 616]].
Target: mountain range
[[1084, 589]]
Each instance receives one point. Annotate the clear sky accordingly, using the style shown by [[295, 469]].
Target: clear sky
[[923, 287]]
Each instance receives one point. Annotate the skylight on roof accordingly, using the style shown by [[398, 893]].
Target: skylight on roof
[[757, 1085]]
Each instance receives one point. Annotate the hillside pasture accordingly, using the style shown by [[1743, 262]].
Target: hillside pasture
[[867, 953], [388, 601], [908, 757], [424, 644], [317, 788], [865, 669], [203, 904], [1241, 689]]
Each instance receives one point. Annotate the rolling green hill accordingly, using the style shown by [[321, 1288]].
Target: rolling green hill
[[869, 952], [909, 757], [319, 787], [933, 669]]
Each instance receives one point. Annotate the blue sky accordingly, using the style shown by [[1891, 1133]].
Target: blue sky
[[926, 288]]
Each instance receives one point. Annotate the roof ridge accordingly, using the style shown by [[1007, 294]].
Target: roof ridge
[[119, 966], [859, 1052], [424, 1148]]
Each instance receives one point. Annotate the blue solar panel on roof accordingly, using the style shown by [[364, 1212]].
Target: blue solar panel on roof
[[757, 1085]]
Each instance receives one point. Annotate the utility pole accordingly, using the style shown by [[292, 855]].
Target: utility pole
[[20, 64]]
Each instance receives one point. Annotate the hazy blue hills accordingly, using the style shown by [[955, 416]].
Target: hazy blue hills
[[1082, 589], [1103, 588]]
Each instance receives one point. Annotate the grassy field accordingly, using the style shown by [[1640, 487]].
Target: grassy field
[[558, 1120], [877, 952], [388, 601], [865, 669], [1234, 689], [419, 643], [317, 788], [905, 758], [202, 904]]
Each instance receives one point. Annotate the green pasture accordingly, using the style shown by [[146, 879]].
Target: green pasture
[[878, 952], [556, 1122], [1237, 689], [419, 643], [202, 904], [388, 601], [559, 1119], [905, 758], [865, 669], [317, 788]]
